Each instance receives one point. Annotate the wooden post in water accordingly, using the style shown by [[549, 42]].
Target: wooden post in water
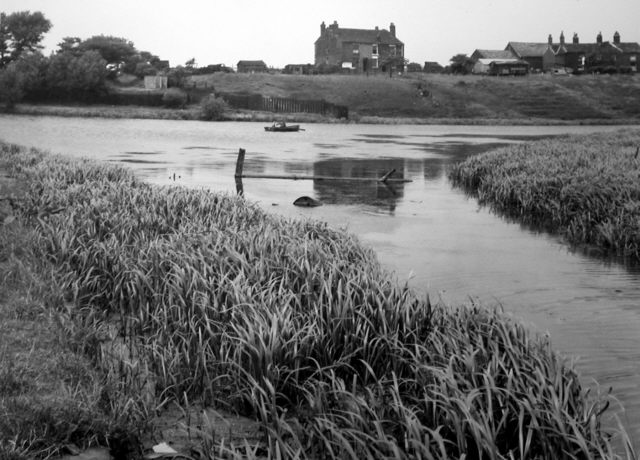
[[240, 163], [239, 166], [386, 176]]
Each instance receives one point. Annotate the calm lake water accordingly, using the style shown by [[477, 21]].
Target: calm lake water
[[430, 234]]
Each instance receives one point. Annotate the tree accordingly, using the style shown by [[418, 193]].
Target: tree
[[22, 32], [4, 41], [115, 51], [460, 64], [70, 45], [32, 68], [10, 86], [394, 64], [23, 77], [74, 77], [178, 76], [143, 63]]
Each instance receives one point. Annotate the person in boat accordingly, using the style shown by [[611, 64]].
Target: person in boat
[[279, 124]]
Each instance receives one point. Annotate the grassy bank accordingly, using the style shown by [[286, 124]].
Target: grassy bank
[[533, 99], [413, 99], [583, 187], [184, 297]]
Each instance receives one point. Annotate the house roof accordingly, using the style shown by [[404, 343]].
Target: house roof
[[512, 60], [629, 47], [382, 36], [494, 54], [526, 49], [587, 48], [252, 63]]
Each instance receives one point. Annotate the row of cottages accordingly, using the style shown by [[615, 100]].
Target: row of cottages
[[600, 57], [519, 58], [359, 50]]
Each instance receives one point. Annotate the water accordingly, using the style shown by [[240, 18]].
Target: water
[[431, 235]]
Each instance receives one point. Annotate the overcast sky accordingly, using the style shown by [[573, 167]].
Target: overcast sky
[[284, 31]]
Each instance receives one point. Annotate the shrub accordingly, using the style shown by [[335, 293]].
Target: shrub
[[174, 98], [213, 108], [10, 86]]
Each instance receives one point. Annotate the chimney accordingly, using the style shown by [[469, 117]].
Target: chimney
[[616, 38], [599, 38], [323, 28], [550, 39], [562, 38], [575, 39], [392, 29]]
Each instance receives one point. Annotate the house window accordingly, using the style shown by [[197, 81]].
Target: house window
[[374, 50], [632, 59], [392, 50], [356, 49], [375, 63]]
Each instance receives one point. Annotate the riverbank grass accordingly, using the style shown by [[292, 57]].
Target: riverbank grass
[[587, 188], [183, 297]]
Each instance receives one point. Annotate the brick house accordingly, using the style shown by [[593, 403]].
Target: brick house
[[360, 50], [251, 66], [601, 56]]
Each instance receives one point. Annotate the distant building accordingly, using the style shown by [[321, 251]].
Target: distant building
[[251, 67], [601, 56], [535, 54], [497, 62], [155, 82], [360, 50], [432, 67], [298, 69]]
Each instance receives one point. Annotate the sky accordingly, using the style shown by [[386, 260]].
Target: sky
[[284, 31]]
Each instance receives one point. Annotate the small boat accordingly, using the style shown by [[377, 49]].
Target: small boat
[[281, 126]]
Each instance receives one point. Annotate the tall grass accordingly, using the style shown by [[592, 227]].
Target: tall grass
[[584, 187], [209, 299]]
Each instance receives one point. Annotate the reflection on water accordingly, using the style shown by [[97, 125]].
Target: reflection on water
[[369, 193], [430, 234]]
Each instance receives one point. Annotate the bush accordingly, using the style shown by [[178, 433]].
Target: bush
[[174, 98], [213, 108], [11, 86]]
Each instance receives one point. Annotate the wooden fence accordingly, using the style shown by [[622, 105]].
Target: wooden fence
[[284, 104]]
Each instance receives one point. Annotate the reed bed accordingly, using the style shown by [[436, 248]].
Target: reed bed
[[586, 188], [297, 325]]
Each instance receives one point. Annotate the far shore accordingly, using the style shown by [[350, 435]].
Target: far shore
[[191, 113]]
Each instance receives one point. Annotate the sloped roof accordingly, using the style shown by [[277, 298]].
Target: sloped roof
[[382, 36], [512, 60], [494, 54], [629, 47], [526, 49], [586, 48], [252, 63]]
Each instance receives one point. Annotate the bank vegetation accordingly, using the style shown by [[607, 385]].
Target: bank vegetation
[[170, 297], [586, 188]]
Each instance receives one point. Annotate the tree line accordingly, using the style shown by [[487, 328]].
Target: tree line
[[78, 70]]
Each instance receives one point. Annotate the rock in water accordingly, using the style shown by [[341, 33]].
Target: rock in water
[[307, 201]]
